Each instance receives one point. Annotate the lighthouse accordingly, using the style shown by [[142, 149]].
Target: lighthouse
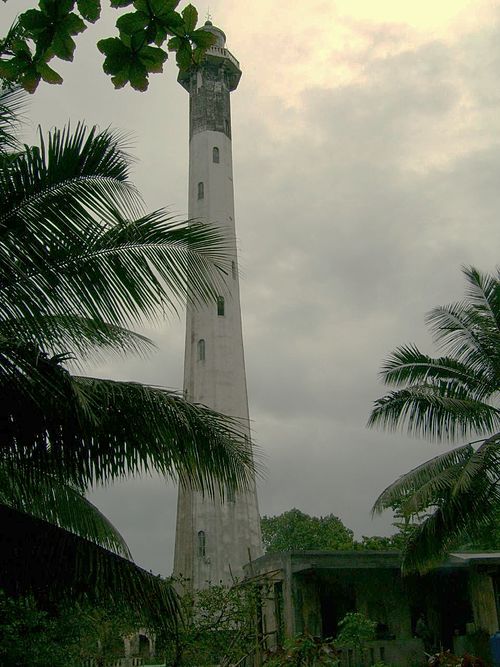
[[215, 536]]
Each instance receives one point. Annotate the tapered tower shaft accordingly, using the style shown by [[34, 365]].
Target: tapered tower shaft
[[215, 538]]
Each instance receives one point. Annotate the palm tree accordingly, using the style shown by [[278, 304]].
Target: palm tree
[[449, 398], [79, 263]]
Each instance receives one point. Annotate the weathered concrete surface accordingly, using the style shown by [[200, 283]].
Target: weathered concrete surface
[[215, 537], [319, 588], [483, 601]]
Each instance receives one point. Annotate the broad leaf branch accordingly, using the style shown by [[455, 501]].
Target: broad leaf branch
[[47, 33]]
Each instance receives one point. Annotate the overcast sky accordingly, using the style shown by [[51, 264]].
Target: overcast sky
[[366, 139]]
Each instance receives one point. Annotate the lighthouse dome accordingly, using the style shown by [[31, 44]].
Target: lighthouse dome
[[219, 34]]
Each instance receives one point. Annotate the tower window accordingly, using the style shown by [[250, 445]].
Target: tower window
[[201, 349], [233, 269], [220, 306], [201, 543], [201, 190], [215, 154], [226, 126]]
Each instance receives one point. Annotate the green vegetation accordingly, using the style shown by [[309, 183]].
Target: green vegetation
[[66, 637], [304, 651], [79, 262], [296, 531], [355, 630], [308, 651], [215, 625], [40, 35], [449, 398]]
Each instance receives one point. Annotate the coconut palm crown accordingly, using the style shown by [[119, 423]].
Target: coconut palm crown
[[80, 262], [449, 398]]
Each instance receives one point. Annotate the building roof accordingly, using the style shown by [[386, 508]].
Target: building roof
[[303, 561], [476, 558]]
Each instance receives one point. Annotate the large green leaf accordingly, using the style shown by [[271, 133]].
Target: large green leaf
[[132, 22], [152, 58], [118, 55], [190, 16], [89, 9], [48, 74], [202, 38]]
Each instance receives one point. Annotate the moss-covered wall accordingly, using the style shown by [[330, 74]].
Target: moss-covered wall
[[482, 596], [381, 596], [307, 604]]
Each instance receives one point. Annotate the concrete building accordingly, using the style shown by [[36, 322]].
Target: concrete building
[[310, 592], [215, 538]]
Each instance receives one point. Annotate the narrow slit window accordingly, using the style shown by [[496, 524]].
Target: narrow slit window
[[201, 543], [226, 126], [201, 349], [233, 269], [201, 190], [220, 306], [215, 155]]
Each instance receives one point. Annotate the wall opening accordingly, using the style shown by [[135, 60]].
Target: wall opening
[[201, 190], [215, 155], [201, 543], [233, 269], [144, 647], [201, 349], [220, 306]]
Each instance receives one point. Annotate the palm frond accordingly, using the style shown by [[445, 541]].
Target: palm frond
[[407, 365], [38, 557], [448, 398], [83, 336], [455, 517], [12, 102], [79, 170], [78, 262], [467, 335], [484, 294], [439, 412], [432, 472], [46, 497], [94, 430], [130, 271], [483, 463], [28, 375]]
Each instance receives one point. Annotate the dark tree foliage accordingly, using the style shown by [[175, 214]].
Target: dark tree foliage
[[215, 625], [296, 531], [47, 32], [60, 635]]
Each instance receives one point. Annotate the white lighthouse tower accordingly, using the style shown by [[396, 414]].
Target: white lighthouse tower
[[215, 537]]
